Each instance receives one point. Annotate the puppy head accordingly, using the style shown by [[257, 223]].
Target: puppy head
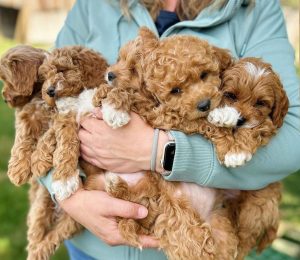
[[126, 70], [183, 73], [68, 71], [255, 91], [19, 71]]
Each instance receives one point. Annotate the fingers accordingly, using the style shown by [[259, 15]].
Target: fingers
[[126, 209]]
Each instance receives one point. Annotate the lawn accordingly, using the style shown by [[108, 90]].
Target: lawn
[[13, 201]]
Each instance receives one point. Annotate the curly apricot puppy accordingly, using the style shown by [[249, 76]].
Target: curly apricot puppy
[[174, 84], [70, 75], [19, 72], [253, 107]]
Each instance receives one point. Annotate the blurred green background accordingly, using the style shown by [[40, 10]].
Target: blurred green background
[[14, 205]]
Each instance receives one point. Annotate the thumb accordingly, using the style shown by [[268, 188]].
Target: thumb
[[127, 209]]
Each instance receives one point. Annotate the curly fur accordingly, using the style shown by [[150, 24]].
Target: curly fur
[[167, 82], [19, 72], [68, 72]]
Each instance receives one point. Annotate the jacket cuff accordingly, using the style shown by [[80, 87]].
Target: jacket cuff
[[194, 159]]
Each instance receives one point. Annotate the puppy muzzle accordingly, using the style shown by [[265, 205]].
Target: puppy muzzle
[[51, 91]]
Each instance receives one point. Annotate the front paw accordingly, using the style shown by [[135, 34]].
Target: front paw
[[237, 159], [114, 118], [19, 175], [64, 189], [224, 117]]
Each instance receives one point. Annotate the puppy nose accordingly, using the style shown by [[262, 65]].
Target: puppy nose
[[51, 91], [241, 121], [204, 105], [5, 101], [111, 76]]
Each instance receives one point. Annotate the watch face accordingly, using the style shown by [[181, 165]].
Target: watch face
[[169, 156]]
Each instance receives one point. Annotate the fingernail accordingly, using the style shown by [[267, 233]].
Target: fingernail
[[142, 212]]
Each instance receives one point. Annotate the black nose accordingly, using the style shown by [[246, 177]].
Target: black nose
[[51, 91], [204, 105], [5, 100], [111, 76], [241, 121]]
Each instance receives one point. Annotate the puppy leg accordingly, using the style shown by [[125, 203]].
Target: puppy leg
[[116, 108], [42, 157], [19, 163], [31, 122], [183, 235], [65, 159], [258, 218], [39, 220], [145, 193], [64, 229], [100, 94], [224, 234]]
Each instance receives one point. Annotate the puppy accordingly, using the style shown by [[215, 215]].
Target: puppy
[[254, 104], [174, 84], [253, 107], [19, 72], [70, 75]]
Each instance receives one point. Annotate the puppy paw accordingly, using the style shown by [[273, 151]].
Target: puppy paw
[[224, 117], [114, 118], [237, 159], [64, 189]]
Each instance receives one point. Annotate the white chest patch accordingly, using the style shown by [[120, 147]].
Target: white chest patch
[[81, 104]]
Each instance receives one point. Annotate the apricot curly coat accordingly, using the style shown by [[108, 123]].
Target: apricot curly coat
[[174, 84], [67, 72], [44, 136]]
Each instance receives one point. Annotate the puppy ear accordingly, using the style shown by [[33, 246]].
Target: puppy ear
[[281, 104], [147, 39], [24, 76], [23, 67], [224, 58]]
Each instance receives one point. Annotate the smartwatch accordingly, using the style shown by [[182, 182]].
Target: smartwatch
[[168, 157]]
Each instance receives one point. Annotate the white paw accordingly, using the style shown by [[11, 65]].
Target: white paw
[[64, 189], [111, 180], [224, 117], [114, 118], [237, 159]]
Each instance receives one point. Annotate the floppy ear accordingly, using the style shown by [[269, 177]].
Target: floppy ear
[[281, 104], [224, 58], [24, 76]]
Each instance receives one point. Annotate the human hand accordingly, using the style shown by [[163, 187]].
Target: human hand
[[97, 212], [125, 149]]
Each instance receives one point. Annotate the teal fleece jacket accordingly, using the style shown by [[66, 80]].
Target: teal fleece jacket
[[257, 31]]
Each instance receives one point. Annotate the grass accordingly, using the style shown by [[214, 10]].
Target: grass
[[14, 205]]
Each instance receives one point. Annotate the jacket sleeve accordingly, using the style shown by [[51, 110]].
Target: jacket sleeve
[[195, 159], [75, 29]]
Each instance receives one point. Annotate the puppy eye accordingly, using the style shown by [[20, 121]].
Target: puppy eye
[[260, 103], [230, 96], [176, 90], [204, 75]]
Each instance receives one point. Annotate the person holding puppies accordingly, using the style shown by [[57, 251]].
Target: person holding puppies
[[247, 28]]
